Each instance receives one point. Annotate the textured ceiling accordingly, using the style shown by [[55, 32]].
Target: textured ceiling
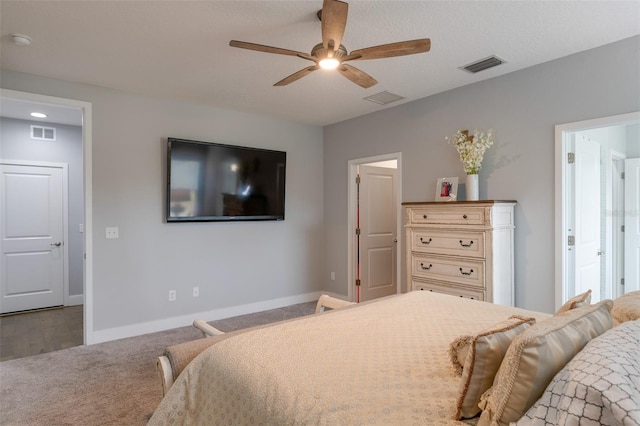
[[180, 49]]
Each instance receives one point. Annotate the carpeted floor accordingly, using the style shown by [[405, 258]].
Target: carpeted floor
[[112, 383]]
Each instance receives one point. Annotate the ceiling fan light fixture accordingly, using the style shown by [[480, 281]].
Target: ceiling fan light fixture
[[329, 63]]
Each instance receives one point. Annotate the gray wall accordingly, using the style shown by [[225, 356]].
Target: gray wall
[[16, 144], [232, 263], [522, 107]]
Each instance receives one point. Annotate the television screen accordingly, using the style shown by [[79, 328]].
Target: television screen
[[215, 182]]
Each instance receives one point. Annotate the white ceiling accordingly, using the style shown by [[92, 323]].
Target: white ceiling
[[180, 49]]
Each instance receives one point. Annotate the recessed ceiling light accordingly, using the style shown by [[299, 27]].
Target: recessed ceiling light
[[38, 115]]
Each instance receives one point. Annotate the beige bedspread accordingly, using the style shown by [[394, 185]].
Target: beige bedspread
[[384, 362]]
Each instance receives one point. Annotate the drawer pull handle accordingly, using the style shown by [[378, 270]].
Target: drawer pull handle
[[466, 245], [426, 268], [425, 242], [464, 216], [424, 216], [466, 273]]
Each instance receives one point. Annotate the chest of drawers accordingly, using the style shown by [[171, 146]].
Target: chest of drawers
[[461, 248]]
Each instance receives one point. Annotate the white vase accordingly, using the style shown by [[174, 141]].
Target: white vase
[[473, 194]]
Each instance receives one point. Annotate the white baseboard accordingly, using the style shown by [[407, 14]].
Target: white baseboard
[[74, 299], [106, 335]]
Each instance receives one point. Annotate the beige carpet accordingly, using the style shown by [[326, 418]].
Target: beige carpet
[[112, 383]]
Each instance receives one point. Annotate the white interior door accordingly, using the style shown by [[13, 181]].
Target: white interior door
[[378, 237], [587, 218], [632, 225], [31, 232]]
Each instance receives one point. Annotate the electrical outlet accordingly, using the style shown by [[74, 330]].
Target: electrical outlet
[[172, 295], [112, 232], [196, 292]]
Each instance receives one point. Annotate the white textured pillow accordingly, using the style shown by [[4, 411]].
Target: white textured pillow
[[583, 299], [485, 353], [535, 357]]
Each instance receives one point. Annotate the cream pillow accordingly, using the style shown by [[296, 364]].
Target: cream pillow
[[485, 353], [535, 357], [626, 308], [578, 301], [458, 350]]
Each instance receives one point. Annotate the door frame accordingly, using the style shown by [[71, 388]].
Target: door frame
[[351, 218], [87, 143], [66, 301], [615, 203], [562, 139]]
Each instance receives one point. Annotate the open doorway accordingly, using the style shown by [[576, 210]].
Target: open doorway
[[596, 221], [374, 226], [46, 178]]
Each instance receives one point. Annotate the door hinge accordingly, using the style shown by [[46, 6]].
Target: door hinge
[[357, 231], [622, 281], [571, 240], [357, 282], [622, 175], [622, 228], [358, 179], [571, 157]]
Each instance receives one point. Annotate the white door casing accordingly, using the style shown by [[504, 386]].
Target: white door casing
[[587, 212], [564, 282], [378, 238], [632, 225], [32, 235]]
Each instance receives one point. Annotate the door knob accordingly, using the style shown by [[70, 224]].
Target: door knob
[[56, 244], [600, 252]]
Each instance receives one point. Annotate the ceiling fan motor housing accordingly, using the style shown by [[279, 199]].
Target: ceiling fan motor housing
[[320, 52]]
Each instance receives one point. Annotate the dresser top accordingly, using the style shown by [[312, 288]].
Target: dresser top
[[441, 203]]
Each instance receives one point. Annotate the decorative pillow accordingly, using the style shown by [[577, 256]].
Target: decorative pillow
[[535, 357], [626, 308], [600, 385], [458, 350], [485, 353], [578, 301]]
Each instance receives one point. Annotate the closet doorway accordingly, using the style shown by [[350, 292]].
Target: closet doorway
[[375, 222]]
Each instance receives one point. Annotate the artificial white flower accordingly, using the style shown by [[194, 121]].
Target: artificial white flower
[[471, 148]]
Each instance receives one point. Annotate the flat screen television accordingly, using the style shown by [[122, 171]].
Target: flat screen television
[[214, 182]]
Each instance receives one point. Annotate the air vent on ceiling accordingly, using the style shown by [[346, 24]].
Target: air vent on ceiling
[[43, 133], [483, 64], [383, 98]]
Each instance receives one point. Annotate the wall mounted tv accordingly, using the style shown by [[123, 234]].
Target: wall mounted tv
[[213, 182]]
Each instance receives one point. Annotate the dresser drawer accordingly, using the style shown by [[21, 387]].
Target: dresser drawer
[[454, 243], [464, 271], [448, 216], [446, 289]]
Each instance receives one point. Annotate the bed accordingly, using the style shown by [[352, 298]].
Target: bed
[[391, 361]]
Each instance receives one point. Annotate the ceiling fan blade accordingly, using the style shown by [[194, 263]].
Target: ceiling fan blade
[[359, 77], [268, 49], [400, 48], [297, 75], [334, 21]]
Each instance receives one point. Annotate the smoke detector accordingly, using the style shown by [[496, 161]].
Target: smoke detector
[[20, 39]]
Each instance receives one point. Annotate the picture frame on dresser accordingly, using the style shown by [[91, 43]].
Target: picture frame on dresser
[[447, 189]]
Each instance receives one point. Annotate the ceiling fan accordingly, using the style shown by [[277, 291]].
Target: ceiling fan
[[331, 54]]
